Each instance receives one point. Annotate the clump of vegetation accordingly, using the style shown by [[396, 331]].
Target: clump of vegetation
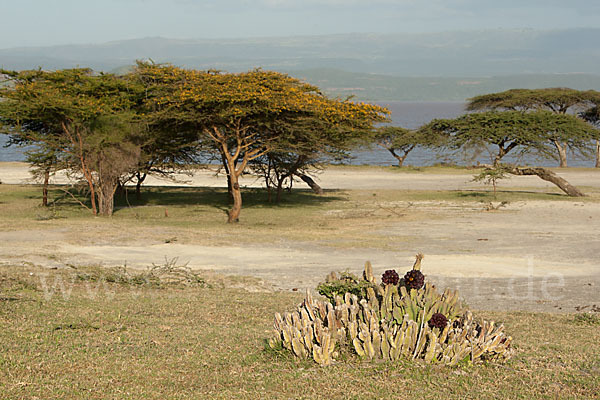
[[408, 320], [12, 287], [346, 283], [161, 275], [587, 319], [491, 176]]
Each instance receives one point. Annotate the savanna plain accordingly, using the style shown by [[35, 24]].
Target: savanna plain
[[166, 300]]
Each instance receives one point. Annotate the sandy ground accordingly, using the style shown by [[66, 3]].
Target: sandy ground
[[339, 178], [535, 255]]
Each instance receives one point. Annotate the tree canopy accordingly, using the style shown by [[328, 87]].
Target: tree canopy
[[401, 141], [592, 115], [511, 131], [555, 100], [242, 117], [87, 118]]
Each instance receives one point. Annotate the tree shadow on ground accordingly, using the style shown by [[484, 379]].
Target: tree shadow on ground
[[507, 194], [219, 198]]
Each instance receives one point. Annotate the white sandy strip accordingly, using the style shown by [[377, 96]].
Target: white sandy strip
[[277, 263], [333, 178]]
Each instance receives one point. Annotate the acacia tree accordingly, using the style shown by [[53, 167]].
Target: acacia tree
[[592, 115], [86, 118], [237, 113], [556, 100], [44, 161], [396, 139], [305, 142], [514, 131]]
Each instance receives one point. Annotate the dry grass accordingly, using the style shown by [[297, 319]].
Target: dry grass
[[123, 341]]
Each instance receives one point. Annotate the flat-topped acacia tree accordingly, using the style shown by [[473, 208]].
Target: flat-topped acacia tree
[[514, 131], [84, 119], [401, 141], [555, 100], [592, 115], [242, 114]]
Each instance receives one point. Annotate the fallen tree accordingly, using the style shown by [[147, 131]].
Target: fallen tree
[[512, 131], [543, 173]]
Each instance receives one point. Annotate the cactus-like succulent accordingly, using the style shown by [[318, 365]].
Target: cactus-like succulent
[[438, 320], [414, 279], [390, 277], [388, 322]]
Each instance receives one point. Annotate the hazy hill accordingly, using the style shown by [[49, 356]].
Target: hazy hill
[[487, 53], [340, 63]]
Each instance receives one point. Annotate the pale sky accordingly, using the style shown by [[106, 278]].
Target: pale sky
[[54, 22]]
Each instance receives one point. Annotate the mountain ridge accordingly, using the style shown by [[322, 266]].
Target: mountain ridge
[[464, 53], [383, 67]]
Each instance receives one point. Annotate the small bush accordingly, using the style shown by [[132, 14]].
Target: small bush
[[346, 283]]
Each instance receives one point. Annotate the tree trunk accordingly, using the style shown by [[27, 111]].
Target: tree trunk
[[561, 148], [106, 196], [236, 193], [400, 160], [399, 157], [77, 141], [549, 176], [544, 174], [90, 181], [310, 182], [279, 190], [597, 153], [268, 180], [138, 185], [501, 153], [228, 172], [230, 161], [45, 188]]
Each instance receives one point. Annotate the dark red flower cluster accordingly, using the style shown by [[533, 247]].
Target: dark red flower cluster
[[390, 277], [438, 320], [414, 279]]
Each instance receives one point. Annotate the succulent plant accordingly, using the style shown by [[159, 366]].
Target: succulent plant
[[414, 279], [388, 322], [438, 320], [390, 277]]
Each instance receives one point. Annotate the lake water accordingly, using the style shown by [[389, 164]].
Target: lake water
[[408, 115], [412, 115]]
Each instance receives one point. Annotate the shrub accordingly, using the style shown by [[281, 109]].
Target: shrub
[[346, 283]]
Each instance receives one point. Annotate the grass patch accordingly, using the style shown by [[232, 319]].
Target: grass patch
[[194, 342]]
